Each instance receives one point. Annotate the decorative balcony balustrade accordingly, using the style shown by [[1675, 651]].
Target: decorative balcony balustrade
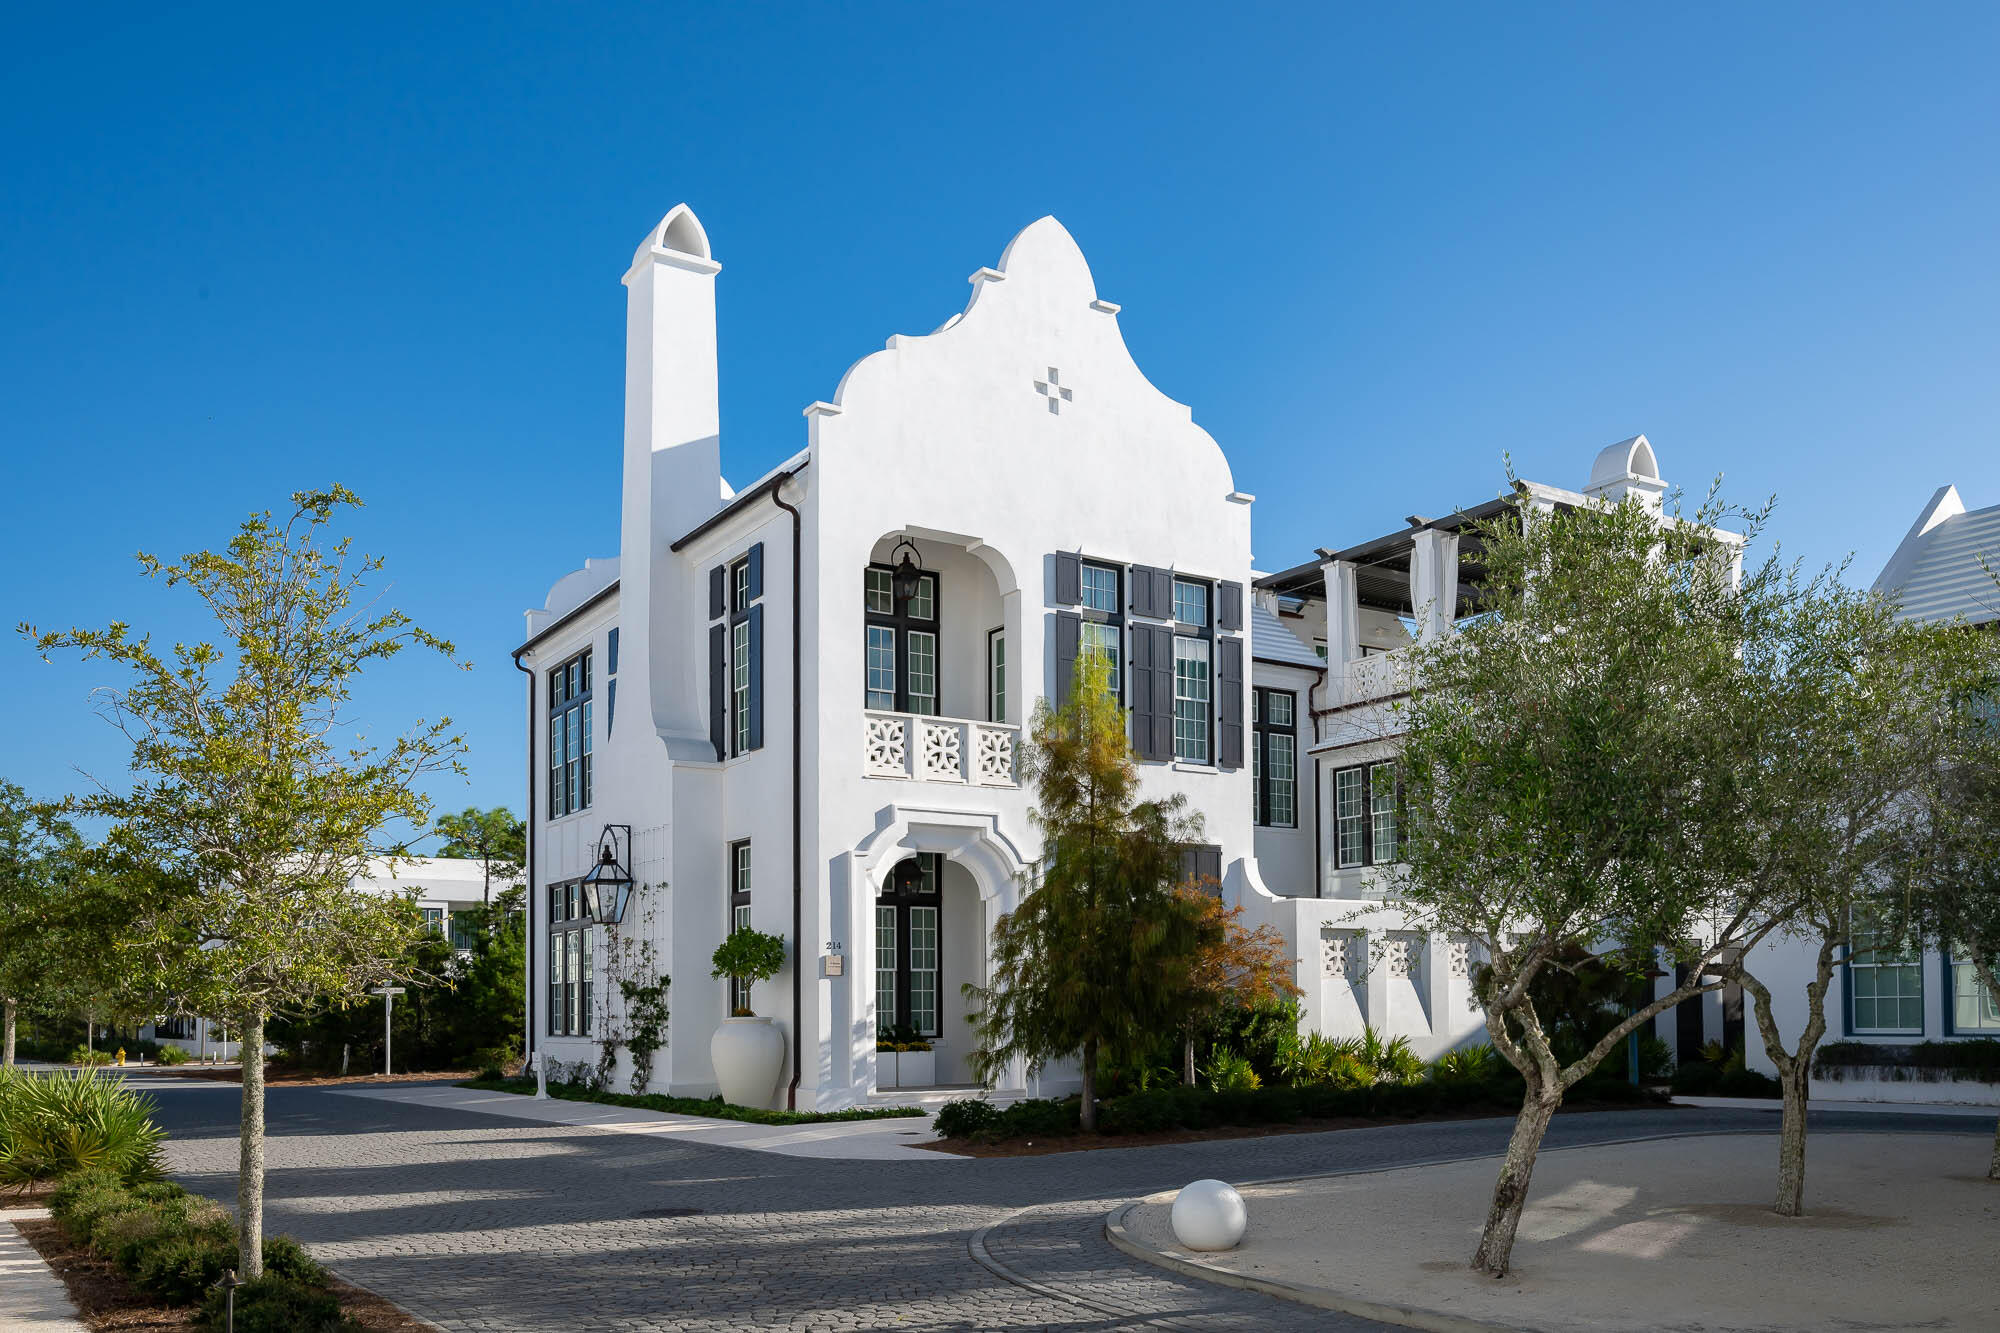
[[939, 749]]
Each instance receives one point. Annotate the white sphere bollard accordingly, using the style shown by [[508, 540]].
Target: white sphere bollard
[[1209, 1215]]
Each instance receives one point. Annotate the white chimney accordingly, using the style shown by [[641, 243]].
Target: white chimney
[[673, 465], [1627, 468]]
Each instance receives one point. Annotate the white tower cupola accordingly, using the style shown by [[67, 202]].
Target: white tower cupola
[[1627, 468]]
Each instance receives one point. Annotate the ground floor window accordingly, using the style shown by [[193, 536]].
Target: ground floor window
[[908, 975], [1974, 1006], [739, 915], [571, 965], [1885, 978], [1366, 809]]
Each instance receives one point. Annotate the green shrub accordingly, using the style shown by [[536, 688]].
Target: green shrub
[[1041, 1118], [181, 1267], [964, 1119], [1226, 1071], [83, 1197], [1469, 1064], [55, 1124], [1392, 1060], [1696, 1078], [173, 1055], [748, 955], [492, 1061], [1141, 1112], [274, 1304], [284, 1257], [1318, 1058]]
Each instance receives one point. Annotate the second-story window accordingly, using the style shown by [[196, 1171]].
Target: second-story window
[[736, 654], [569, 736], [996, 675], [1274, 758], [901, 642], [1194, 715], [1104, 620]]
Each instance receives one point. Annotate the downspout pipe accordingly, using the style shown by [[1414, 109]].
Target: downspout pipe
[[798, 747], [528, 872]]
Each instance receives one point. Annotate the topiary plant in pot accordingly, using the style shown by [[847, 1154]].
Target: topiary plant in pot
[[747, 1051]]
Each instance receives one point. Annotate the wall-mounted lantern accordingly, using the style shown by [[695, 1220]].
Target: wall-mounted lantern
[[904, 579], [608, 886]]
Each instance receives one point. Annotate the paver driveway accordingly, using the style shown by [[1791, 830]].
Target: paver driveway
[[479, 1222]]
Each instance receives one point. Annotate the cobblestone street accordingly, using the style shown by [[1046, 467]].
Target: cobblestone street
[[481, 1223]]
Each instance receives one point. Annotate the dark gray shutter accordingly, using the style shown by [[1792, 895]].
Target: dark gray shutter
[[757, 572], [756, 670], [718, 585], [1202, 862], [611, 651], [1069, 637], [1069, 579], [1142, 591], [1229, 611], [1229, 700], [1153, 691], [611, 710], [718, 689], [1163, 593]]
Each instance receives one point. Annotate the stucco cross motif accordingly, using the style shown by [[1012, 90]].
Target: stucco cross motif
[[1052, 389]]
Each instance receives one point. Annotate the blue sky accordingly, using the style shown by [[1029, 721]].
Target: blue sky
[[250, 252]]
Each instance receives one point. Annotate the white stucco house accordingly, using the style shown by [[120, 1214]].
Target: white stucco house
[[1939, 573], [797, 704], [442, 887]]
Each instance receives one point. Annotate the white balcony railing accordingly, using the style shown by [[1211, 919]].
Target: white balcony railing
[[939, 749]]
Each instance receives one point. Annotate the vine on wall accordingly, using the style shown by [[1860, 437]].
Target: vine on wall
[[632, 1004]]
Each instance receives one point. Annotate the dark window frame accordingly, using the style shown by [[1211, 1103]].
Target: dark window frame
[[901, 622], [564, 904], [998, 634], [1368, 849], [570, 788], [903, 894], [1115, 618], [741, 868], [1263, 734]]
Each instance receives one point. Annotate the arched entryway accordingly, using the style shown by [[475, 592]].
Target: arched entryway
[[929, 885]]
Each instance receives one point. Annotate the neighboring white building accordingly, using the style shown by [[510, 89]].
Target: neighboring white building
[[442, 887], [1354, 613], [1940, 572]]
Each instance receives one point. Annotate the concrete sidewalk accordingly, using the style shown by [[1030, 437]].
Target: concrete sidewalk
[[32, 1297], [850, 1140], [1975, 1111], [1631, 1237]]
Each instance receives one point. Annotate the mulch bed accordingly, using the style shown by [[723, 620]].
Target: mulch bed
[[108, 1301], [299, 1078], [1089, 1142]]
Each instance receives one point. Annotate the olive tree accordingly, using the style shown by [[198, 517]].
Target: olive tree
[[1575, 787], [253, 793], [1854, 711]]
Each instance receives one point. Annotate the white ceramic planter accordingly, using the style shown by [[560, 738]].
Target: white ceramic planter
[[916, 1069], [748, 1054]]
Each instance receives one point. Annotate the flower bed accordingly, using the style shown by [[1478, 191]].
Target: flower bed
[[713, 1107]]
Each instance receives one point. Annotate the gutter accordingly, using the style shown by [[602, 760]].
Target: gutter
[[528, 871], [798, 746]]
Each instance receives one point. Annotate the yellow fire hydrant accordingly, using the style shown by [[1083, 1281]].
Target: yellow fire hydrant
[[121, 1057]]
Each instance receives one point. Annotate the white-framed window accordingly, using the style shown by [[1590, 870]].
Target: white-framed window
[[739, 686], [1383, 846], [924, 969], [1099, 636], [1367, 811], [886, 949], [571, 945], [1349, 824], [881, 591], [1192, 712], [1885, 978], [923, 671], [1974, 1006], [996, 675], [1100, 588], [739, 915], [881, 666], [1191, 603]]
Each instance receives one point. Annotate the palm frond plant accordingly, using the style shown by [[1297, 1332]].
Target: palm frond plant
[[54, 1124]]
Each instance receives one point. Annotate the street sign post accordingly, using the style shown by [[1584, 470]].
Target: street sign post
[[388, 994]]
